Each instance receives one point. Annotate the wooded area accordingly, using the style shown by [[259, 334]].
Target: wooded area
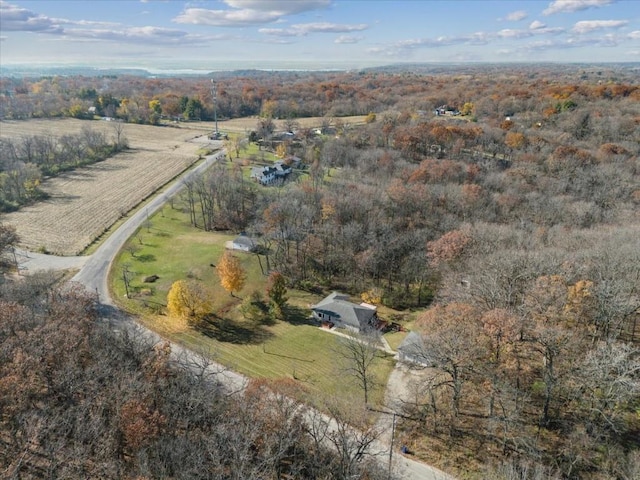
[[511, 228]]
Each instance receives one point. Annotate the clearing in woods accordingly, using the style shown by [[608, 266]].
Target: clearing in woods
[[86, 202]]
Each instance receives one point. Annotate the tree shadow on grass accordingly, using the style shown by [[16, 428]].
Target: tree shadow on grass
[[230, 331], [296, 315], [146, 258]]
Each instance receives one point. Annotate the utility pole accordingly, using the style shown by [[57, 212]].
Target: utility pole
[[214, 94], [393, 432]]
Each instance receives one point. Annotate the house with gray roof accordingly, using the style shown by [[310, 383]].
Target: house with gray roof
[[413, 350], [337, 310], [264, 175]]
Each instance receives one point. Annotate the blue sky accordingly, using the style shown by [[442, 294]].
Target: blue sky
[[209, 35]]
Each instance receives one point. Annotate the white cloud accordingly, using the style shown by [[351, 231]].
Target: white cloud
[[510, 33], [249, 12], [586, 26], [17, 19], [604, 41], [635, 35], [325, 27], [569, 6], [347, 39], [536, 28], [226, 18], [404, 46], [516, 16], [540, 45], [477, 38], [304, 29], [280, 32], [147, 35], [14, 18], [283, 7]]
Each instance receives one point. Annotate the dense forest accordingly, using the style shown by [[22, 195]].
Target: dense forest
[[509, 225]]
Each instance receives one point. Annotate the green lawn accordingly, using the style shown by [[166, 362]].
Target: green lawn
[[291, 349]]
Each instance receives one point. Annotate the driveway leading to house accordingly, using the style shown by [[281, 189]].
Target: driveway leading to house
[[397, 393]]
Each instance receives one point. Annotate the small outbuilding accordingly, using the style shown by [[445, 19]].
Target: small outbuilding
[[243, 243]]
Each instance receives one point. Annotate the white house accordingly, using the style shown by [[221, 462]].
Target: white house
[[269, 174], [264, 175]]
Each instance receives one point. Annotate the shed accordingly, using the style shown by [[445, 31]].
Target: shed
[[243, 243]]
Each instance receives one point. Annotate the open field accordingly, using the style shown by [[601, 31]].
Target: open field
[[87, 201], [293, 349]]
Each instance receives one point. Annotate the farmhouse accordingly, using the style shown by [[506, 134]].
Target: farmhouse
[[264, 175], [269, 174], [337, 310]]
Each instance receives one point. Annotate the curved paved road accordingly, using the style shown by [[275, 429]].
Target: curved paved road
[[95, 271], [93, 274]]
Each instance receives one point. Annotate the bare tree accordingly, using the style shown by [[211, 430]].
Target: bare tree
[[359, 354]]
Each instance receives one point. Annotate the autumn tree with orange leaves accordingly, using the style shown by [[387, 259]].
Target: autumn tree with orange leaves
[[232, 275]]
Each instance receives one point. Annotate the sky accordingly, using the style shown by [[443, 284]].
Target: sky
[[314, 34]]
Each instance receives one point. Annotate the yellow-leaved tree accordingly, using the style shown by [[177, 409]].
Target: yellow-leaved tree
[[232, 275], [187, 299], [281, 150]]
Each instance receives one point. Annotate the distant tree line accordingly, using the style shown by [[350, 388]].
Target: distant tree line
[[286, 95]]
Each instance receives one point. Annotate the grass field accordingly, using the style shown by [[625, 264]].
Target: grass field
[[293, 349]]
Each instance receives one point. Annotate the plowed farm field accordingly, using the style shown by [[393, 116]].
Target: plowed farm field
[[84, 203]]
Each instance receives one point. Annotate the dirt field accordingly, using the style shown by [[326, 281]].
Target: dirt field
[[84, 203]]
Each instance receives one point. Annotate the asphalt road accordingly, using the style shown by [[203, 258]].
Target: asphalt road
[[94, 272]]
